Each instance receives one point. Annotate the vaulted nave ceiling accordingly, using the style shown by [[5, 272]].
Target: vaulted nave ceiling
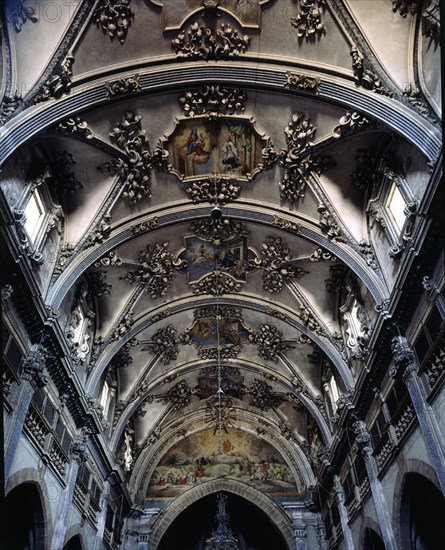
[[131, 112]]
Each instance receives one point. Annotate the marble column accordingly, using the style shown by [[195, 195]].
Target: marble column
[[33, 376], [340, 498], [363, 446], [406, 367]]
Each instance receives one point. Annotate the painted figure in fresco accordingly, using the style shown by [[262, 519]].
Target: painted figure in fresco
[[190, 477], [227, 447], [230, 153], [195, 144]]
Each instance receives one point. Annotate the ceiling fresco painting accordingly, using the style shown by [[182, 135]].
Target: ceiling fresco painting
[[236, 455]]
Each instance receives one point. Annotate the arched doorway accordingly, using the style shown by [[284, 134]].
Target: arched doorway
[[422, 514], [248, 523], [74, 543], [23, 522], [372, 540]]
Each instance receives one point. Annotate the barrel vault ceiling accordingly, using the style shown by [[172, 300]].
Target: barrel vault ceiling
[[213, 162]]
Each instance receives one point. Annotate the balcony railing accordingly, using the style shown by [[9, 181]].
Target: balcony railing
[[37, 426]]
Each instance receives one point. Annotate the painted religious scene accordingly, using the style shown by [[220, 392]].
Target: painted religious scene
[[228, 146], [198, 458], [203, 257]]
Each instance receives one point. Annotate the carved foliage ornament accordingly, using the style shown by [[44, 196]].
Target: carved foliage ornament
[[350, 122], [64, 178], [302, 82], [269, 341], [213, 101], [216, 284], [201, 42], [308, 20], [404, 357], [34, 365], [366, 78], [215, 188], [129, 136], [74, 126], [223, 230], [9, 104], [155, 270], [261, 395], [178, 396], [123, 86], [278, 265], [114, 17], [59, 83], [164, 344]]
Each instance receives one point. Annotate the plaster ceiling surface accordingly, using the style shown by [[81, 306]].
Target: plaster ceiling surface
[[138, 142]]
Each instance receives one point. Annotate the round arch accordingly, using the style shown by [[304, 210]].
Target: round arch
[[370, 535], [279, 519]]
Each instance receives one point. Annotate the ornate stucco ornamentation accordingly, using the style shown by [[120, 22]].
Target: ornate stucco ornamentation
[[357, 324], [110, 259], [366, 78], [9, 104], [218, 232], [262, 397], [363, 440], [405, 361], [302, 82], [123, 86], [329, 226], [277, 264], [20, 14], [155, 270], [74, 126], [412, 93], [217, 283], [431, 20], [64, 177], [130, 137], [100, 233], [336, 281], [201, 42], [310, 321], [367, 250], [97, 283], [34, 365], [308, 20], [365, 175], [226, 190], [35, 256], [275, 313], [293, 184], [287, 225], [148, 225], [219, 412], [269, 341], [405, 6], [321, 255], [178, 397], [7, 291], [114, 17], [164, 344], [123, 327], [350, 122], [60, 83], [213, 101]]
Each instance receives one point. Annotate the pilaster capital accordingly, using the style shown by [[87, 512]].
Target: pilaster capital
[[34, 365], [405, 361], [362, 443]]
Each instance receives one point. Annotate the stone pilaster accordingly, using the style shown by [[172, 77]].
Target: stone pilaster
[[406, 367], [77, 455], [363, 446], [33, 376], [340, 498]]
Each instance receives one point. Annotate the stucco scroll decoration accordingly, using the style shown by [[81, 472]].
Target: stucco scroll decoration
[[269, 341], [35, 256], [302, 82], [366, 78], [277, 264], [308, 21], [218, 232], [114, 17], [357, 324], [200, 42], [123, 86], [178, 397], [299, 133], [226, 190], [74, 126], [155, 269], [131, 138], [216, 284], [164, 344], [363, 442], [404, 357], [59, 83], [20, 14], [261, 395], [9, 104], [213, 101], [431, 19], [350, 122], [329, 225]]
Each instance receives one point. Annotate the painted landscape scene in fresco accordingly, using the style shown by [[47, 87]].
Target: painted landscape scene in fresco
[[198, 459]]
